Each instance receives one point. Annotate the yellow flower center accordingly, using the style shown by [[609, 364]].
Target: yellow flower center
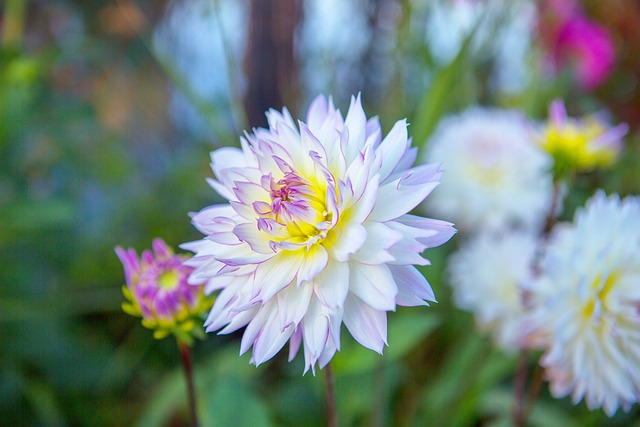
[[168, 279], [602, 289], [572, 144]]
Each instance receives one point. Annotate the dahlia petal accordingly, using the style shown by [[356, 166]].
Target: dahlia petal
[[327, 353], [346, 240], [364, 205], [373, 127], [237, 321], [254, 327], [406, 252], [355, 122], [275, 118], [216, 283], [258, 240], [249, 193], [558, 112], [214, 219], [379, 239], [315, 329], [315, 260], [411, 281], [442, 230], [239, 255], [317, 113], [294, 343], [367, 325], [374, 285], [406, 192], [332, 284], [406, 162], [270, 340], [392, 148], [129, 260], [227, 157], [293, 302], [273, 275], [358, 175], [406, 299]]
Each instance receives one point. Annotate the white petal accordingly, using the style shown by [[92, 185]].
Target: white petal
[[315, 260], [258, 240], [294, 343], [317, 113], [227, 157], [249, 192], [328, 352], [254, 327], [405, 193], [273, 275], [379, 239], [367, 325], [407, 160], [374, 285], [363, 207], [270, 340], [293, 302], [275, 118], [344, 240], [355, 122], [410, 280], [442, 230], [211, 219], [392, 148], [315, 329], [332, 284]]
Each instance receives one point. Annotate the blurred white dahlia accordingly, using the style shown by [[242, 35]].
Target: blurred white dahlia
[[586, 310], [487, 274], [316, 233], [496, 174]]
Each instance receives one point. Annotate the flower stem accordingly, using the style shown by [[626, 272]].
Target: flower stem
[[187, 363], [332, 416], [519, 389]]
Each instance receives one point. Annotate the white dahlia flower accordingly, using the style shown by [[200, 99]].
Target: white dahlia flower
[[315, 233], [496, 174], [587, 305], [487, 274]]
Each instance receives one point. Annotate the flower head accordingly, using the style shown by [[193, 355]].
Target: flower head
[[586, 305], [574, 40], [157, 290], [487, 273], [315, 233], [580, 144], [496, 175]]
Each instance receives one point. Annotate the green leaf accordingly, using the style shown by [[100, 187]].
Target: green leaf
[[438, 98]]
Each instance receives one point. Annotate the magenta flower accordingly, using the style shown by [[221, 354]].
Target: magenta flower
[[588, 47], [579, 42], [316, 233], [157, 290]]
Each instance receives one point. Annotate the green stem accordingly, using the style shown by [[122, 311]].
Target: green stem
[[187, 363], [332, 416]]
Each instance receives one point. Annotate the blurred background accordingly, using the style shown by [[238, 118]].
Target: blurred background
[[108, 112]]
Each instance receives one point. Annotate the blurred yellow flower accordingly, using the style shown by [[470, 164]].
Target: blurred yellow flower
[[580, 145]]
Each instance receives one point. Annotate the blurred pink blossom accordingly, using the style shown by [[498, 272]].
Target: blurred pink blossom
[[574, 40]]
